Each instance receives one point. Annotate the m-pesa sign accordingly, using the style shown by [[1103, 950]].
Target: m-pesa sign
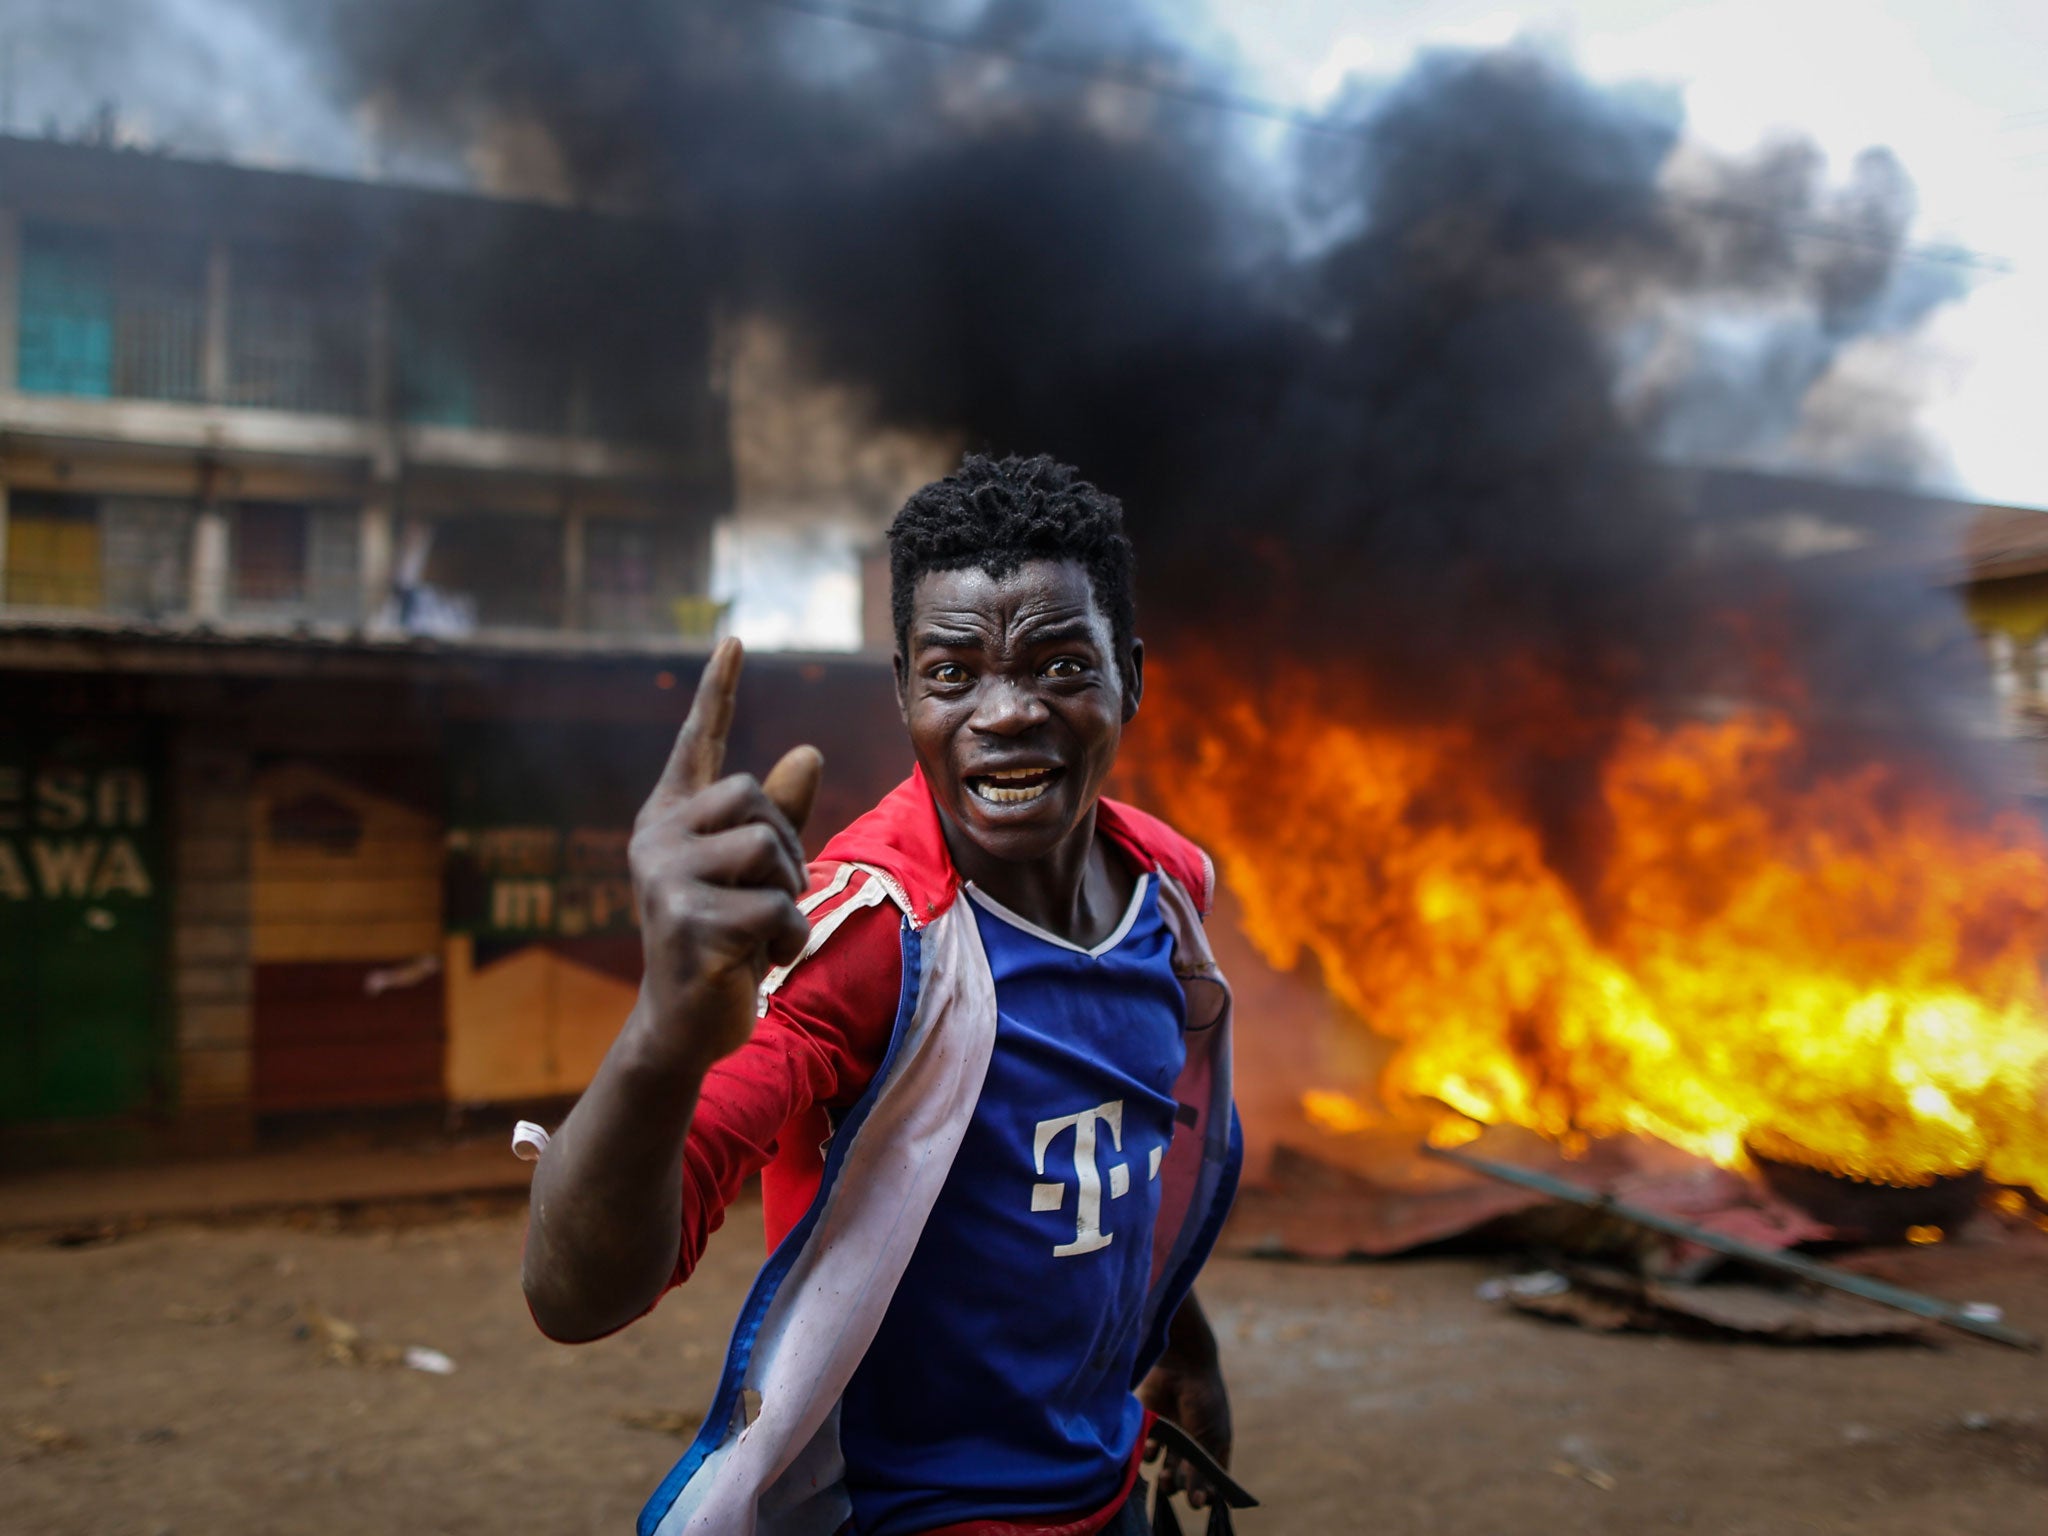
[[74, 833]]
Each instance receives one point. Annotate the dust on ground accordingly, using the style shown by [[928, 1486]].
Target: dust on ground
[[228, 1379]]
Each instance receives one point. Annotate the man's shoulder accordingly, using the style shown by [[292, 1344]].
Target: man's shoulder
[[900, 842], [855, 921], [1158, 846]]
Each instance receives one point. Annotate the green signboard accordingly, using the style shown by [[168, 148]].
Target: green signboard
[[83, 921]]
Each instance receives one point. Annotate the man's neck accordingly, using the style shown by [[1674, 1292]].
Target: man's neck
[[1078, 891]]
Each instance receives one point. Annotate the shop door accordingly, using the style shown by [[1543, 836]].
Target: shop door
[[83, 922], [346, 918]]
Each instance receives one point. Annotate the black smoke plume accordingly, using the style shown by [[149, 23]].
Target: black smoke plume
[[1395, 391], [1400, 385]]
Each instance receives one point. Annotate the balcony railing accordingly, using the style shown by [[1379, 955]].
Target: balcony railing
[[291, 564], [298, 333], [120, 555], [106, 317], [115, 315]]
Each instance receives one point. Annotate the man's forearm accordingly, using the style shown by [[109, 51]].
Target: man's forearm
[[718, 865], [1190, 1343], [606, 1207]]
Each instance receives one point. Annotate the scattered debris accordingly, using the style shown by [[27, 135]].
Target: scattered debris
[[87, 1236], [208, 1317], [1798, 1265], [1613, 1301], [1604, 1481], [1544, 1282], [335, 1340], [1577, 1458], [1309, 1207], [662, 1421], [45, 1439], [1602, 1314], [342, 1343]]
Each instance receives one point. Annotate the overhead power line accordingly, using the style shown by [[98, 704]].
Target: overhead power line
[[1218, 100]]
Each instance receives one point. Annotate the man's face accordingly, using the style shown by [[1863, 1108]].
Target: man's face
[[1015, 702]]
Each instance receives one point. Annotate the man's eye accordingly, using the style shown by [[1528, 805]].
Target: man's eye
[[949, 672], [1064, 666]]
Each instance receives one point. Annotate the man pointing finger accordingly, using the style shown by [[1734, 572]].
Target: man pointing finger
[[979, 1052]]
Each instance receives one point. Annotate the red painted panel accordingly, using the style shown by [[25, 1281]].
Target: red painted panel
[[324, 1040]]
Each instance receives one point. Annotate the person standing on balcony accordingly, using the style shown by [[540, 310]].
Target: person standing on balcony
[[979, 1051]]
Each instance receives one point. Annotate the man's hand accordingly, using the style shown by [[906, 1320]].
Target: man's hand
[[718, 865], [717, 870], [1186, 1386]]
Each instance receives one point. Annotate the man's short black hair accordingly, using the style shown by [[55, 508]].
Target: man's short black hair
[[997, 514]]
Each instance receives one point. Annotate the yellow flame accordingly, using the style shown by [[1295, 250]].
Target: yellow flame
[[1337, 1113], [1839, 967]]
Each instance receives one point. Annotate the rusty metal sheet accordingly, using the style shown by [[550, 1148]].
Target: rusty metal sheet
[[1612, 1300]]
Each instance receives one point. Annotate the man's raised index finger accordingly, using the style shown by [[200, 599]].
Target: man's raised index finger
[[699, 751]]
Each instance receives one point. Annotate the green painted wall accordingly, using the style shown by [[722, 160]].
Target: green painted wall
[[84, 919]]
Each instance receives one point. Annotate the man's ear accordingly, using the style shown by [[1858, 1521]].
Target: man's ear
[[1134, 679], [900, 669]]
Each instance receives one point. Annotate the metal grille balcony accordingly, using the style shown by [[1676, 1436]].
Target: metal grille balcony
[[101, 316], [298, 333], [125, 555]]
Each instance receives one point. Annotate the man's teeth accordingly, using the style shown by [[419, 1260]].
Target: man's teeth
[[1014, 787]]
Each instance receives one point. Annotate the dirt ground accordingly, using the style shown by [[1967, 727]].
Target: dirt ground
[[183, 1379]]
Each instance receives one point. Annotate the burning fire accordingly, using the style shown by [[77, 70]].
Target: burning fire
[[1841, 968]]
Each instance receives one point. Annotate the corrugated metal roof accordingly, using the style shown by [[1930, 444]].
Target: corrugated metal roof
[[2004, 542], [98, 643]]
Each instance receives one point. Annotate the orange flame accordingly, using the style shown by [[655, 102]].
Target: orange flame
[[1843, 968]]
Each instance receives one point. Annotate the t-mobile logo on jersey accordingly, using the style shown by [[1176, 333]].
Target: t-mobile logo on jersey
[[1051, 1194]]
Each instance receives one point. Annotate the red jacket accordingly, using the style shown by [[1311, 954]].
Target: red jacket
[[852, 1096], [768, 1107]]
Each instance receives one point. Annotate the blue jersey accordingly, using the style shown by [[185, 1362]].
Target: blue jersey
[[999, 1385]]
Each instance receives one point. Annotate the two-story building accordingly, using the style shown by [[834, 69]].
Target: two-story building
[[355, 548]]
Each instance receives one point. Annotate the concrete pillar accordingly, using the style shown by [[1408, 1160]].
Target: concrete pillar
[[213, 339], [210, 562], [572, 569], [212, 971], [10, 297], [377, 562], [375, 555]]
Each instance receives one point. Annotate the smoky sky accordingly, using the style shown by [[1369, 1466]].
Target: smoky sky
[[1396, 390]]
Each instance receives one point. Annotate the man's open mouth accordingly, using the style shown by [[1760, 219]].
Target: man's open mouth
[[1013, 786]]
